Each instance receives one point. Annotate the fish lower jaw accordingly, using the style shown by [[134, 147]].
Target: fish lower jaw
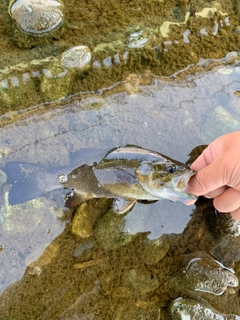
[[180, 182], [169, 193]]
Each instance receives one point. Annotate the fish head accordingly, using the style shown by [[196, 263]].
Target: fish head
[[165, 180]]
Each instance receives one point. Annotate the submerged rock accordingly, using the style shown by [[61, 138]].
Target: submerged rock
[[223, 253], [77, 57], [109, 231], [75, 311], [56, 83], [137, 40], [154, 250], [182, 309], [140, 281], [26, 217], [226, 231], [223, 225], [86, 215], [36, 17], [82, 247], [82, 222], [203, 273], [60, 75]]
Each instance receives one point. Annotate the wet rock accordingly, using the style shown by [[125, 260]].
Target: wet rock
[[36, 17], [140, 280], [182, 309], [109, 231], [205, 274]]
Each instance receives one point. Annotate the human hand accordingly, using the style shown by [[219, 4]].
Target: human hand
[[218, 174]]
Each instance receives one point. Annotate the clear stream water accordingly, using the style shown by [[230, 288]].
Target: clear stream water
[[40, 276], [170, 117]]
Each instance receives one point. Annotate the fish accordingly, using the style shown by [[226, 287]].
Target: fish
[[125, 174]]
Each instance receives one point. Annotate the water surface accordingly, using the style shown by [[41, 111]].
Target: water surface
[[171, 94], [169, 117]]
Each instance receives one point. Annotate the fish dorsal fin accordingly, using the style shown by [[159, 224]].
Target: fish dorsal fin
[[74, 198], [121, 205], [133, 146]]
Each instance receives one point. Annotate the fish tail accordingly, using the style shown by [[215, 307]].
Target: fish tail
[[28, 181]]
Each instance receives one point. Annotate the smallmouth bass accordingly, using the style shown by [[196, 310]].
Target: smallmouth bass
[[126, 174]]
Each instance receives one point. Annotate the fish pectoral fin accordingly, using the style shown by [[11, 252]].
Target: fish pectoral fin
[[74, 198], [121, 205]]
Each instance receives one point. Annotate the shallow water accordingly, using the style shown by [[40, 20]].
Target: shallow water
[[169, 117], [93, 264]]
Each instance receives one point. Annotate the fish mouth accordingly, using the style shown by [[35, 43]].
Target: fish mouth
[[180, 182]]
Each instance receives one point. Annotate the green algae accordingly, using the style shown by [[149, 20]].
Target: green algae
[[120, 276], [107, 30]]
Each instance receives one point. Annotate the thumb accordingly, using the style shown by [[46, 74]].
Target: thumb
[[207, 179]]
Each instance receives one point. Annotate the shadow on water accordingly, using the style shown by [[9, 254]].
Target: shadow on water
[[91, 263]]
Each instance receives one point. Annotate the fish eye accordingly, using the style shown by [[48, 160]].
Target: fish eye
[[171, 169]]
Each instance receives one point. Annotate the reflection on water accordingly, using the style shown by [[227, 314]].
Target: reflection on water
[[98, 265]]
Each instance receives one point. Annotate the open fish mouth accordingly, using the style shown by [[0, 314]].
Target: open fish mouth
[[180, 182]]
